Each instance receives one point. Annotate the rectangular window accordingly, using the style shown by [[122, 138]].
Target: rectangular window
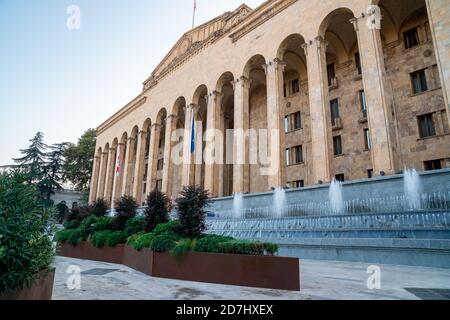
[[334, 105], [362, 101], [297, 184], [337, 144], [144, 188], [160, 164], [419, 81], [358, 63], [295, 86], [288, 157], [370, 173], [411, 38], [298, 154], [433, 165], [367, 140], [285, 90], [286, 124], [340, 177], [331, 74], [426, 126], [159, 185], [297, 120]]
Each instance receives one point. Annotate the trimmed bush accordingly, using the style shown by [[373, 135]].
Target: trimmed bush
[[126, 209], [62, 211], [182, 247], [164, 242], [157, 210], [192, 211], [134, 225], [71, 224], [108, 238], [169, 227], [100, 208], [103, 223], [87, 225], [208, 243], [141, 241], [72, 236], [246, 248]]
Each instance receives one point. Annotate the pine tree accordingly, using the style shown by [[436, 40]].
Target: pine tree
[[33, 160], [53, 170]]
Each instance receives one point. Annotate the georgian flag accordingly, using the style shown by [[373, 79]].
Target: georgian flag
[[117, 170]]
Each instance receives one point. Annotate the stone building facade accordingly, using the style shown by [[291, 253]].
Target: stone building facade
[[356, 89]]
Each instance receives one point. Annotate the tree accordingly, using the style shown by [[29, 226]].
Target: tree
[[157, 210], [53, 170], [192, 211], [33, 160], [126, 209], [79, 161]]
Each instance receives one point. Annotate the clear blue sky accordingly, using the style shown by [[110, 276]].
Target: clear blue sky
[[62, 81]]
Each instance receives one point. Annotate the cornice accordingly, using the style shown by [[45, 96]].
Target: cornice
[[130, 107]]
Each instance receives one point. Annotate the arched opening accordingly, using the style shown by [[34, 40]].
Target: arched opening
[[158, 157], [199, 100], [111, 170], [96, 178], [142, 189], [131, 161], [176, 170], [295, 110], [255, 72], [119, 168], [224, 170], [412, 71]]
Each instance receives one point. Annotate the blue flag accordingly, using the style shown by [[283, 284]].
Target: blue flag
[[193, 135]]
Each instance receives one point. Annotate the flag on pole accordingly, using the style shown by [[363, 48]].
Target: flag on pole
[[117, 170], [193, 134]]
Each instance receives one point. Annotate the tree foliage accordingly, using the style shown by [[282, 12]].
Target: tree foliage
[[79, 161], [192, 211], [157, 210]]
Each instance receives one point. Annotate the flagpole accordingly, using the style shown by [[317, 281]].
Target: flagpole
[[193, 15]]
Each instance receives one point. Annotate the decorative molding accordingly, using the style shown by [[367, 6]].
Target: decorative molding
[[260, 15], [133, 105]]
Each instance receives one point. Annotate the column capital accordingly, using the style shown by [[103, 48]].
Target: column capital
[[97, 157], [121, 144], [131, 139], [354, 22], [243, 80], [304, 46], [321, 42], [155, 125], [112, 149], [171, 118]]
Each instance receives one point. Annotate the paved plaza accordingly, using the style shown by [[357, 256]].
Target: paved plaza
[[320, 280]]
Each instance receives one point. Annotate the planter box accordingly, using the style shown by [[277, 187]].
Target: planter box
[[249, 271], [41, 289], [240, 270], [87, 251]]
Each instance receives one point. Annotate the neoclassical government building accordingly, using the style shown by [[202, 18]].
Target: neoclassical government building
[[356, 88]]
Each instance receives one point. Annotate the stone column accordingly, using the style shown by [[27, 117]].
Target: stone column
[[117, 181], [168, 165], [319, 104], [139, 168], [275, 82], [152, 158], [241, 126], [378, 97], [128, 173], [214, 152], [110, 174], [101, 186], [94, 179], [438, 13], [187, 154]]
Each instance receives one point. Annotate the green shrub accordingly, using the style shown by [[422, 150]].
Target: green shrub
[[126, 209], [134, 225], [157, 210], [87, 225], [164, 242], [169, 227], [247, 248], [141, 241], [72, 224], [192, 211], [62, 211], [103, 223], [182, 247], [108, 238], [208, 243], [72, 236], [100, 208], [25, 245]]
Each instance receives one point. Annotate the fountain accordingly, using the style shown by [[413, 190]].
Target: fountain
[[413, 189], [238, 205], [279, 202], [336, 198]]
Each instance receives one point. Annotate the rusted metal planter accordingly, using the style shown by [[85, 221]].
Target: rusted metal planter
[[240, 270], [87, 251], [41, 289]]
